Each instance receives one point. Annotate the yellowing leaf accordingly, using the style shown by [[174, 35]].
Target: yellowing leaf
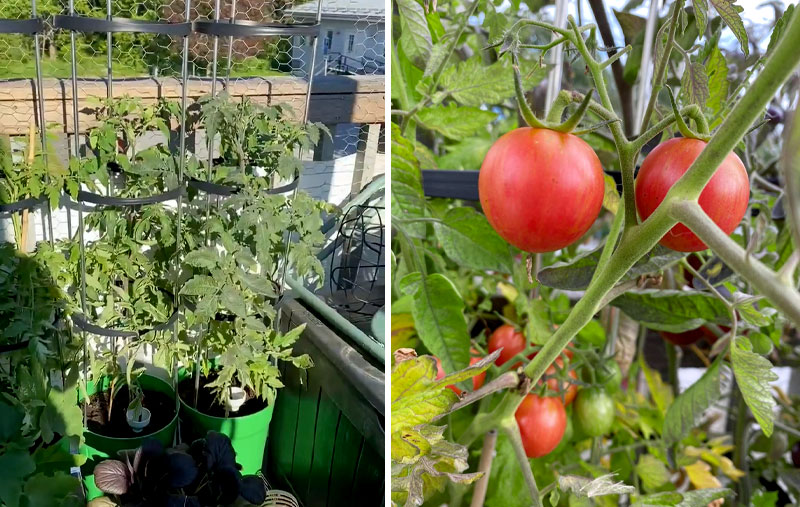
[[403, 332], [701, 477], [610, 196], [508, 291], [659, 390]]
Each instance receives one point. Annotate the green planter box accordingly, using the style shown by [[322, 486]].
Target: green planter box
[[98, 448], [327, 444], [248, 433]]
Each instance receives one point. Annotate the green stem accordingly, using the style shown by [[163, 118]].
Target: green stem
[[511, 429], [524, 109], [658, 77], [626, 158], [768, 282], [673, 365], [575, 118]]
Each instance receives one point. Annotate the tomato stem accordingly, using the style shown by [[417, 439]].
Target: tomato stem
[[682, 126], [524, 109], [575, 118], [511, 429]]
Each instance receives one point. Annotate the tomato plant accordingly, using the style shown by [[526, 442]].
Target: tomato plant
[[557, 249]]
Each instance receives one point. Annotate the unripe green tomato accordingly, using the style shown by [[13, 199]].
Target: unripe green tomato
[[594, 411]]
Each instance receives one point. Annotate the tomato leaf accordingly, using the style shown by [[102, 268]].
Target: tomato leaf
[[469, 240], [780, 26], [631, 24], [415, 37], [700, 14], [717, 69], [659, 390], [611, 196], [753, 375], [438, 313], [688, 408], [729, 12], [696, 498], [694, 83], [422, 460], [672, 310], [577, 274], [408, 199], [652, 472], [590, 488], [472, 84], [453, 121]]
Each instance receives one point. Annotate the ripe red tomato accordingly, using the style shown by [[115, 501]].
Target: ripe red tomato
[[540, 189], [542, 422], [724, 198], [440, 374], [570, 389], [511, 341]]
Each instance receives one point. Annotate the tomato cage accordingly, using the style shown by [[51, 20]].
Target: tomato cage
[[175, 161]]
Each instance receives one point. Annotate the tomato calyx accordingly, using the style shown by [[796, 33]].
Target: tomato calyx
[[683, 128], [551, 123]]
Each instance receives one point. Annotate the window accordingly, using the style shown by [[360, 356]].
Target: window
[[350, 42], [326, 48]]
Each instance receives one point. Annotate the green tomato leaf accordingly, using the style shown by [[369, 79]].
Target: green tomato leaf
[[204, 258], [717, 69], [15, 466], [577, 274], [45, 491], [694, 83], [453, 121], [408, 200], [506, 479], [700, 14], [438, 314], [729, 12], [199, 285], [472, 84], [753, 375], [590, 488], [233, 301], [61, 415], [469, 240], [652, 472], [687, 410], [415, 37], [673, 310], [10, 421], [696, 498], [780, 26]]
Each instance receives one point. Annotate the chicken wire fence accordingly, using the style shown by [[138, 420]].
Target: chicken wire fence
[[348, 37]]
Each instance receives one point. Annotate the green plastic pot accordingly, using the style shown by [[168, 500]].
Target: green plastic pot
[[248, 433], [98, 448]]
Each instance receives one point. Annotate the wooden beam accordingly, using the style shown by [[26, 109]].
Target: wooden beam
[[334, 99]]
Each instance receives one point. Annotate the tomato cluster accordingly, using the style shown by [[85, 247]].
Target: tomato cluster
[[541, 190], [542, 418]]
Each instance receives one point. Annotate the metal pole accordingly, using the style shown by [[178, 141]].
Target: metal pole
[[110, 45], [208, 178], [230, 45], [76, 127], [306, 110], [42, 127], [181, 170], [554, 78], [646, 73]]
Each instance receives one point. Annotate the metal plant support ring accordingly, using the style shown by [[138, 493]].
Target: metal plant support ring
[[21, 26], [22, 205], [229, 190], [85, 24]]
